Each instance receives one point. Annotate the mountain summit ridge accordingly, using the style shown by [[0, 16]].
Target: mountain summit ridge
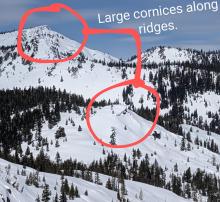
[[42, 42]]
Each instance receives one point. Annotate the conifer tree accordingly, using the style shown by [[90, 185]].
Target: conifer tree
[[58, 159], [108, 184], [66, 187], [188, 137], [97, 178], [176, 168], [46, 194], [79, 128], [77, 192], [188, 146], [72, 192], [63, 197], [183, 144], [112, 137], [57, 143]]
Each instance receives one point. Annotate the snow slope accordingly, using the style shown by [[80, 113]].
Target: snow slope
[[166, 151], [12, 185]]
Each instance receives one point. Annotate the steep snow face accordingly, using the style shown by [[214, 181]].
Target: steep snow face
[[117, 119], [13, 187], [41, 42]]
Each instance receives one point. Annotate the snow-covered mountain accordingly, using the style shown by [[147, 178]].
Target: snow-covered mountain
[[92, 71], [41, 42]]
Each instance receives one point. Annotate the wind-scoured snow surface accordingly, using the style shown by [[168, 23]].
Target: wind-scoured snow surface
[[13, 187]]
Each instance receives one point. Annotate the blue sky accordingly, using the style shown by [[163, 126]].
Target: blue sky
[[200, 30]]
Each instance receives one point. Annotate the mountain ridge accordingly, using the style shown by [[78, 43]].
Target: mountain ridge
[[157, 54]]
